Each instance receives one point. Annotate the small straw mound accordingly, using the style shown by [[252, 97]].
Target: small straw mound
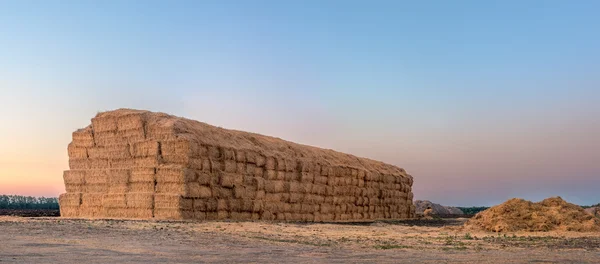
[[552, 214]]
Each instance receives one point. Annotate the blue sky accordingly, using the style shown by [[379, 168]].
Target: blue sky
[[480, 100]]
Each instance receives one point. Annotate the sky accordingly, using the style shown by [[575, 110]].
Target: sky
[[480, 101]]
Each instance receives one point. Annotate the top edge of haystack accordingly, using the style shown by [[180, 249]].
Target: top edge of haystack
[[204, 133]]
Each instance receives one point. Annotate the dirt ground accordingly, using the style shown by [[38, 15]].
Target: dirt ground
[[56, 240]]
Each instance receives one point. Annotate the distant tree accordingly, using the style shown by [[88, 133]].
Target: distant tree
[[583, 206], [27, 202], [473, 210]]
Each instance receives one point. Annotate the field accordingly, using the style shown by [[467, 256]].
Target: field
[[59, 240]]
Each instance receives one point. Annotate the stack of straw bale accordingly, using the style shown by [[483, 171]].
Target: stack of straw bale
[[140, 164]]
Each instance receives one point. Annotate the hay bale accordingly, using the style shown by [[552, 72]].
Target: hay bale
[[130, 122], [168, 213], [142, 175], [174, 175], [140, 200], [147, 162], [274, 186], [76, 152], [70, 199], [142, 187], [121, 163], [109, 152], [145, 148], [179, 147], [103, 124], [83, 138], [74, 177], [114, 200], [118, 188]]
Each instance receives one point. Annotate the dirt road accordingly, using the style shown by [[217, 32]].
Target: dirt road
[[55, 240]]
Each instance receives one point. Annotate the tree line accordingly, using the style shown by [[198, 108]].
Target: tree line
[[27, 202], [472, 210]]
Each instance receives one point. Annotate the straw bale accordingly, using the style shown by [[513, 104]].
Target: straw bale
[[118, 176], [280, 175], [222, 215], [172, 201], [274, 186], [258, 171], [206, 179], [222, 205], [200, 205], [177, 159], [251, 156], [235, 205], [197, 190], [83, 164], [260, 160], [280, 164], [114, 200], [128, 213], [69, 211], [96, 176], [148, 162], [216, 166], [230, 166], [170, 188], [287, 176], [141, 187], [211, 215], [140, 200], [95, 188], [167, 213], [132, 121], [290, 165], [296, 197], [239, 192], [76, 152], [320, 179], [266, 215], [83, 138], [122, 163], [307, 177], [70, 199], [110, 138], [142, 175], [229, 180], [260, 194], [174, 175], [102, 124], [250, 169], [179, 147], [271, 175], [272, 197], [91, 211], [271, 163], [74, 177], [161, 133], [145, 148], [117, 187], [318, 189], [221, 192], [109, 152]]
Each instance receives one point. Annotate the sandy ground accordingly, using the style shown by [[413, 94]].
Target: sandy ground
[[55, 240]]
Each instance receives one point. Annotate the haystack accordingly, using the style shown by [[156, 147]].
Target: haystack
[[552, 214], [437, 209], [140, 164]]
